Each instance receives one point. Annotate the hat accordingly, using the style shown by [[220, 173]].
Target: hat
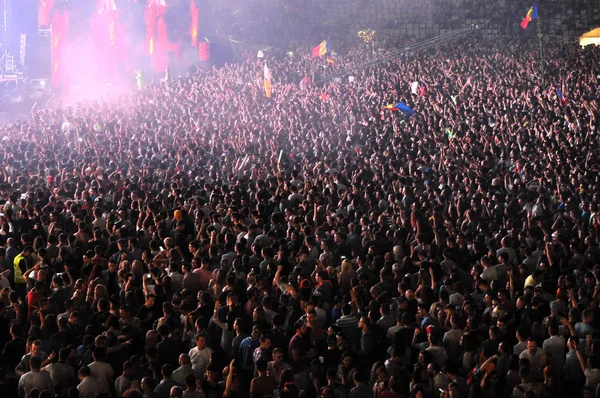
[[178, 215]]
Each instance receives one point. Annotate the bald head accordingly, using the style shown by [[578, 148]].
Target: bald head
[[176, 392], [184, 359]]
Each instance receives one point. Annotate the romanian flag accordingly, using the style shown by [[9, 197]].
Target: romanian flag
[[321, 49], [267, 81], [561, 96], [402, 107], [531, 14]]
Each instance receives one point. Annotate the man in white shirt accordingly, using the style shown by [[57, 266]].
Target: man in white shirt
[[200, 355], [440, 356], [533, 353], [89, 386], [101, 370], [61, 372], [522, 341], [452, 337], [35, 379], [123, 382], [555, 345], [489, 272], [396, 328], [520, 390], [573, 374], [512, 254]]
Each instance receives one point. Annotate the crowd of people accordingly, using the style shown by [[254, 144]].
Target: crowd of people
[[196, 238]]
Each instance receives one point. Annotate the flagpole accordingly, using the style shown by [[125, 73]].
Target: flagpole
[[539, 28]]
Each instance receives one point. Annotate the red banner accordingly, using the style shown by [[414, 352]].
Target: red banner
[[45, 9], [60, 30], [195, 19], [157, 40]]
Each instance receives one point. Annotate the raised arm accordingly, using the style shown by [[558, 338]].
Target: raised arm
[[229, 381]]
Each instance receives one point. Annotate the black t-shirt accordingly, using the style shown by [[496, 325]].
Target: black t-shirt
[[60, 340], [169, 351], [13, 352], [9, 388], [98, 318], [92, 244], [112, 285], [212, 391], [143, 314], [4, 330], [332, 357], [60, 296], [299, 344]]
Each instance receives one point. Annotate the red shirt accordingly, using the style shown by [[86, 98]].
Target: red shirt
[[33, 300]]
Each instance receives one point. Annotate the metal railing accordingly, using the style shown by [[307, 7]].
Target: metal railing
[[2, 62], [434, 41]]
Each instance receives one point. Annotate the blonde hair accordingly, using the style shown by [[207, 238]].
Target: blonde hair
[[347, 266]]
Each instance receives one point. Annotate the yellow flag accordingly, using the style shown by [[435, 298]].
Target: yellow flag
[[267, 88]]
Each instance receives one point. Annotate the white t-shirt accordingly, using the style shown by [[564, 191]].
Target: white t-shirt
[[200, 359], [592, 378]]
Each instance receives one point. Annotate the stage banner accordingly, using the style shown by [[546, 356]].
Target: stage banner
[[157, 39], [60, 30], [194, 21], [45, 9]]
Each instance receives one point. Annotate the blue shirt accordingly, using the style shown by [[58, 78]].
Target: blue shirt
[[247, 347]]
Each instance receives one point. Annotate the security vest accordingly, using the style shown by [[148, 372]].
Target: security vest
[[19, 279]]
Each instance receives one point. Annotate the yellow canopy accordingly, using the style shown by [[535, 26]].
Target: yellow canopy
[[591, 37]]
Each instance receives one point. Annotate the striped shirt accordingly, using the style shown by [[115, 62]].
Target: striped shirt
[[349, 325]]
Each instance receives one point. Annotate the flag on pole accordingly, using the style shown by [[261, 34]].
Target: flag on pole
[[321, 49], [267, 81], [531, 15], [402, 107], [561, 96]]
